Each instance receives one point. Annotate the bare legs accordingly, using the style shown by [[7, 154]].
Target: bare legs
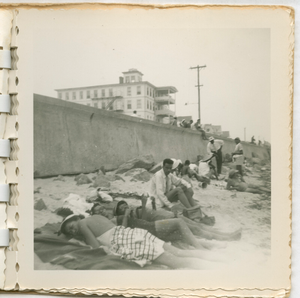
[[171, 260], [178, 230], [185, 196], [201, 254], [240, 170], [209, 233]]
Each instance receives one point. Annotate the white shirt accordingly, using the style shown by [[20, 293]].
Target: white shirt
[[215, 146], [194, 167], [238, 159], [238, 147], [158, 187]]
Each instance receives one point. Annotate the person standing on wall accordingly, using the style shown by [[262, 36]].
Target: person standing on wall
[[215, 147], [238, 157]]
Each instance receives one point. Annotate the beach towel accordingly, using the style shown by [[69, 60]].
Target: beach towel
[[58, 250]]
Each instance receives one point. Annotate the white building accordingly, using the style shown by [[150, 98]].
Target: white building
[[130, 94]]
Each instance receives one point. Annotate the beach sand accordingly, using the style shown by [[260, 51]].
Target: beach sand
[[232, 210]]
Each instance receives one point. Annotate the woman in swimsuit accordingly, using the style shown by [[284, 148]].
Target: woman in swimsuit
[[137, 245]]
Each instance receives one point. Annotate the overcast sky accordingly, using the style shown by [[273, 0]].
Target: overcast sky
[[85, 49]]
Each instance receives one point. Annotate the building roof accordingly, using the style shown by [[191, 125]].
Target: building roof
[[132, 70], [171, 88], [107, 85]]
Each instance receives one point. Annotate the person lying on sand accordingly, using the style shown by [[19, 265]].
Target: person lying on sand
[[169, 230], [234, 182], [149, 215], [136, 245]]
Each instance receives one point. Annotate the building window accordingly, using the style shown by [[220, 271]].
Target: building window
[[128, 91], [103, 92], [129, 105], [150, 92], [103, 105], [139, 79], [148, 104], [139, 104], [111, 92], [88, 94], [95, 93], [67, 96], [132, 79], [59, 95], [147, 91], [73, 95], [96, 104], [81, 94], [127, 79], [138, 90]]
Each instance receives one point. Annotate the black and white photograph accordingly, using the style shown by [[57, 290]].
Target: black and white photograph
[[152, 143]]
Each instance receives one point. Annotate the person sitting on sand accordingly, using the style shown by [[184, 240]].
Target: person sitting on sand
[[176, 167], [161, 188], [198, 229], [234, 182], [136, 245]]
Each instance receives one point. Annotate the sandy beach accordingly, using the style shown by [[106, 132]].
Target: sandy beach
[[232, 209]]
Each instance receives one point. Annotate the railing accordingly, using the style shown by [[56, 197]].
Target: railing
[[164, 112], [164, 99]]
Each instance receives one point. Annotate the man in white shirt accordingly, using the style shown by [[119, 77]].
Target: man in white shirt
[[162, 189], [238, 157], [215, 147]]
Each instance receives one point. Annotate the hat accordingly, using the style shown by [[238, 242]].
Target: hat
[[232, 173], [211, 139], [64, 222], [176, 163], [237, 139], [116, 211]]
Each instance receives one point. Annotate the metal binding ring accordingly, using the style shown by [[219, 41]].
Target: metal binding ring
[[4, 192], [5, 59], [4, 103], [4, 237], [4, 148]]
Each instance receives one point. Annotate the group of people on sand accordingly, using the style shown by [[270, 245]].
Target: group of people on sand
[[143, 234]]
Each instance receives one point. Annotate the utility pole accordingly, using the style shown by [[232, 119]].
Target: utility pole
[[198, 72]]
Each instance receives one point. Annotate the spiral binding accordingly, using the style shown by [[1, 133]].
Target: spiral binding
[[8, 142]]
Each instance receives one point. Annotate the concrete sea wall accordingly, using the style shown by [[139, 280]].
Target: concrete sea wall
[[70, 138]]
